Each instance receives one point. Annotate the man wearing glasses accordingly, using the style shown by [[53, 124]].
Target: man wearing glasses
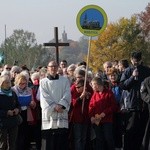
[[55, 98]]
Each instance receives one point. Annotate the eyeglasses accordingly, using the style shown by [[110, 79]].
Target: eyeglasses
[[79, 86], [8, 68]]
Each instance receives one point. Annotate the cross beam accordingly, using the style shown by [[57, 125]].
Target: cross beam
[[56, 44]]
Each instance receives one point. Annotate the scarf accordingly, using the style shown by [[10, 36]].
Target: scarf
[[20, 91], [7, 92]]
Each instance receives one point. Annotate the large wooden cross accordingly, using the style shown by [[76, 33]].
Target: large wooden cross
[[56, 44]]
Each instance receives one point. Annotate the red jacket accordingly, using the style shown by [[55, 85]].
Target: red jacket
[[75, 114], [103, 102], [36, 113]]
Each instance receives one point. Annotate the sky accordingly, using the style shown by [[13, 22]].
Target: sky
[[41, 16]]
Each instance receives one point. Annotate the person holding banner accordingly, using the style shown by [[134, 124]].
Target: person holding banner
[[80, 120]]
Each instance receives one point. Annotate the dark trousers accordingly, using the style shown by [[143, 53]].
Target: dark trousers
[[80, 136], [135, 123], [23, 139], [35, 134], [55, 139], [8, 138], [104, 136], [146, 139], [117, 130]]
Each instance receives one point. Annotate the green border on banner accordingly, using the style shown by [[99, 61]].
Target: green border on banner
[[90, 32]]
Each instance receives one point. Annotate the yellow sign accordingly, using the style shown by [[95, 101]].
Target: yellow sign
[[91, 20]]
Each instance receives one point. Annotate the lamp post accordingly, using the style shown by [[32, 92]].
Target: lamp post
[[4, 52]]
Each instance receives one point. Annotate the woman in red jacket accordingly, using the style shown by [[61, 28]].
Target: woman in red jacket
[[101, 108], [78, 117]]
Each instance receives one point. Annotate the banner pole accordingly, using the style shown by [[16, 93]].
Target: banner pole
[[86, 71]]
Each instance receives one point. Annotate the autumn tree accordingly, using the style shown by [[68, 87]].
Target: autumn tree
[[144, 20], [117, 42]]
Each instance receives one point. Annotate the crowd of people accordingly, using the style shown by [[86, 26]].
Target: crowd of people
[[69, 107]]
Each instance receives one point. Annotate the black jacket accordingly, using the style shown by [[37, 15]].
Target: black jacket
[[133, 86], [145, 90], [8, 103], [145, 95]]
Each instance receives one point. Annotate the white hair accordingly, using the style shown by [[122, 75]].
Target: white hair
[[35, 75], [4, 78], [15, 69], [71, 67], [26, 74], [5, 72], [78, 69]]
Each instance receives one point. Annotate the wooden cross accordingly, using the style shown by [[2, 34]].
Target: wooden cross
[[56, 44]]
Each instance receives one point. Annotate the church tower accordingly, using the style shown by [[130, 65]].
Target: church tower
[[64, 36]]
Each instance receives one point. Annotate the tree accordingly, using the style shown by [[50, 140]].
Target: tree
[[117, 42], [75, 52], [21, 46], [144, 20], [83, 44]]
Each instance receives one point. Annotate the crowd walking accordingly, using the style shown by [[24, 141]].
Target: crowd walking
[[67, 107]]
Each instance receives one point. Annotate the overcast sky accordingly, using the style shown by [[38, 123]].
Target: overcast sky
[[41, 16]]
